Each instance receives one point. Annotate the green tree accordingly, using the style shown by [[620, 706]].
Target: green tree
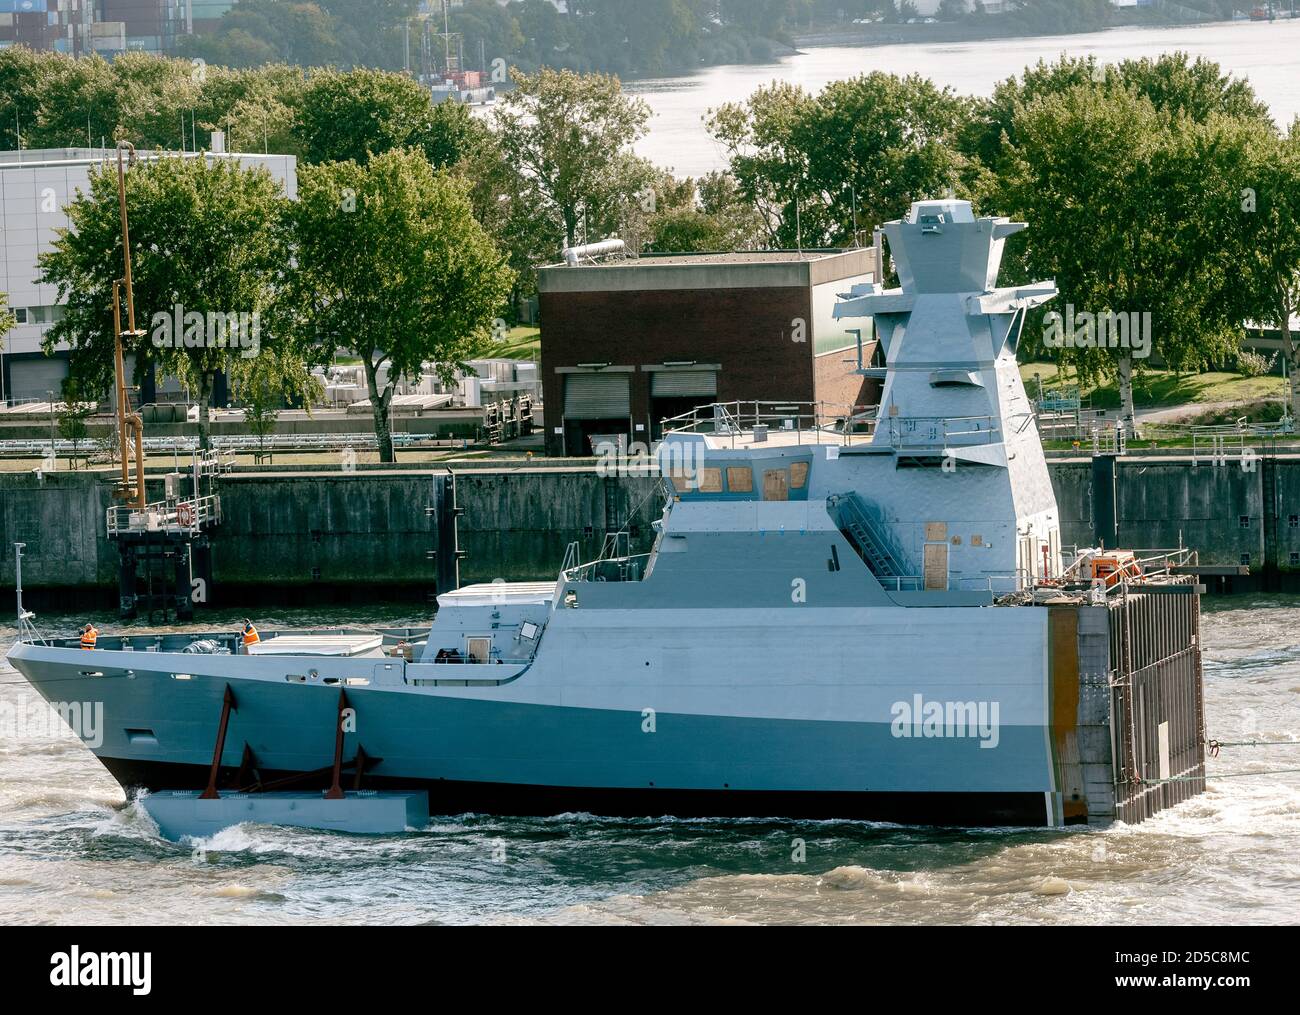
[[1173, 82], [1269, 236], [635, 36], [148, 100], [21, 73], [391, 264], [73, 412], [862, 150], [571, 135], [258, 109], [151, 94], [1128, 206], [205, 245], [488, 28], [505, 202], [371, 34], [78, 103], [712, 216], [263, 385], [256, 32], [359, 114], [764, 17], [1043, 17]]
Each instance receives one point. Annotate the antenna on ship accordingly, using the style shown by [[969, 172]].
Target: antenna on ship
[[26, 632], [18, 572]]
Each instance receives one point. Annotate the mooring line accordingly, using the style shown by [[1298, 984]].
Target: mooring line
[[1224, 775], [1214, 744]]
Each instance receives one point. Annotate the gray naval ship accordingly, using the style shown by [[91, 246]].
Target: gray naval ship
[[867, 617]]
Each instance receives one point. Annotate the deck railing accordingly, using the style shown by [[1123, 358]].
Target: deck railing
[[190, 515], [818, 422]]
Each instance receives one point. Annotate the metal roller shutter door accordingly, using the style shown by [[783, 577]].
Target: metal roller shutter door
[[35, 378], [684, 383], [597, 396]]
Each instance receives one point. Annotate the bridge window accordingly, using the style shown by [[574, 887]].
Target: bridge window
[[710, 481], [740, 479], [798, 475]]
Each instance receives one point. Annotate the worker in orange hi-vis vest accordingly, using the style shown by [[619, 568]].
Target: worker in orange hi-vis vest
[[250, 635], [89, 636]]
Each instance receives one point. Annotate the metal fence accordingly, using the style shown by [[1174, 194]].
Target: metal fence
[[240, 443]]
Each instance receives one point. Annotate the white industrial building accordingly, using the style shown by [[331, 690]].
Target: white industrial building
[[35, 188], [930, 8], [483, 381]]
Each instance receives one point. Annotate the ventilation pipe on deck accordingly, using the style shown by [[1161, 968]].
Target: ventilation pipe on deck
[[574, 255]]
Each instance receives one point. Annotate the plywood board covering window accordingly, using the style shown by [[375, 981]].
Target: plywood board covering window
[[682, 478], [936, 532], [740, 479], [798, 475], [776, 485], [936, 566], [479, 650], [710, 481]]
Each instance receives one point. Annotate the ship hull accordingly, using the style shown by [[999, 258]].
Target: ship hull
[[511, 750]]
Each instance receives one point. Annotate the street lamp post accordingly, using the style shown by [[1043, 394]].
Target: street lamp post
[[126, 420]]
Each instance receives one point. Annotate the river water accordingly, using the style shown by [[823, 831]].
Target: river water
[[73, 851], [1266, 54]]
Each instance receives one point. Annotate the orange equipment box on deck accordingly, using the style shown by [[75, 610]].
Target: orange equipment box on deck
[[1114, 566]]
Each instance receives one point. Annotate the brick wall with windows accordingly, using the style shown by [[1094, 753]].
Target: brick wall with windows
[[748, 319]]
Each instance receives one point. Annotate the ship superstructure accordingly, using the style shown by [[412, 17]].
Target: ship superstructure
[[842, 615]]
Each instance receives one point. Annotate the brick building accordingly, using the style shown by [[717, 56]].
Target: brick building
[[629, 343]]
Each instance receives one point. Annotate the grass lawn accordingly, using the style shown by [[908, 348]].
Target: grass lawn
[[520, 343], [1155, 388]]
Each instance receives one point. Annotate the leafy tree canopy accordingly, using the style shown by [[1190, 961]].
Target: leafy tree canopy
[[354, 115], [391, 264], [570, 137], [861, 149], [205, 245]]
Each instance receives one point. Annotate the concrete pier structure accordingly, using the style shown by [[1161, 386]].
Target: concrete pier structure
[[295, 533]]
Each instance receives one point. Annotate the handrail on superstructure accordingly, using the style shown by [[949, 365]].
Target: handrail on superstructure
[[852, 515], [912, 431], [733, 419], [587, 572]]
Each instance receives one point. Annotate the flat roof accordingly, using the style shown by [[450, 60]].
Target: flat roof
[[493, 593], [715, 257], [736, 269], [38, 158]]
